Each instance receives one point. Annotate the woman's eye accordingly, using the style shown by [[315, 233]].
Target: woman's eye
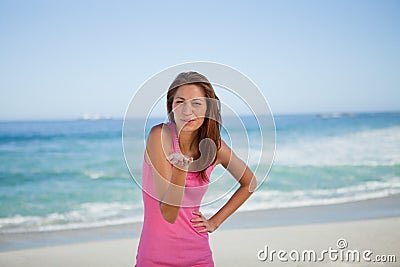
[[197, 103]]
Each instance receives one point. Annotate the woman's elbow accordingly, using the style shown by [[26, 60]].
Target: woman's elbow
[[252, 185]]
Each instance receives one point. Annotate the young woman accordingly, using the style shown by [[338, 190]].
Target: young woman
[[175, 177]]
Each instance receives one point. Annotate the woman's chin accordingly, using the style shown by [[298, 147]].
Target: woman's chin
[[189, 126]]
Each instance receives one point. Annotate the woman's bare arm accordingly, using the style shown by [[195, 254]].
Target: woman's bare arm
[[169, 182]]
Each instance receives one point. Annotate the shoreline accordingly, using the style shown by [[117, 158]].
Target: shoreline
[[387, 207]]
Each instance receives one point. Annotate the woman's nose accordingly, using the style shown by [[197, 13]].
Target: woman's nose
[[187, 108]]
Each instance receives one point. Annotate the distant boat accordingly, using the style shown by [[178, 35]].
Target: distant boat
[[334, 115], [94, 117]]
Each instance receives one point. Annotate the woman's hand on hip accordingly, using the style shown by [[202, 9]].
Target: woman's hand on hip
[[201, 221]]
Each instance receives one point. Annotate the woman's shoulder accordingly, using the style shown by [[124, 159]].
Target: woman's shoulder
[[159, 141], [160, 136], [160, 133]]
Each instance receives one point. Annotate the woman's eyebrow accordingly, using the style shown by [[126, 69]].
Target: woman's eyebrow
[[192, 99], [198, 99]]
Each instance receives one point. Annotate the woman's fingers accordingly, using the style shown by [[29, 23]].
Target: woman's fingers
[[179, 159], [200, 222], [204, 230], [198, 225], [198, 219]]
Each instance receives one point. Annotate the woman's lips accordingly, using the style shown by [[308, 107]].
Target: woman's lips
[[187, 121]]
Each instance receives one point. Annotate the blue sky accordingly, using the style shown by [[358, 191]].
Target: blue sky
[[62, 59]]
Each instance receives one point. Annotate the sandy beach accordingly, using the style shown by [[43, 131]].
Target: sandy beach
[[250, 243]]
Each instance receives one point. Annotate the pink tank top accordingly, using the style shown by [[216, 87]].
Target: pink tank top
[[178, 244]]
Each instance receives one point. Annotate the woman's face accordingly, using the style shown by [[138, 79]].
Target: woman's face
[[189, 107]]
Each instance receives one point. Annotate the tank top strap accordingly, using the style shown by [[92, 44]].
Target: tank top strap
[[175, 142]]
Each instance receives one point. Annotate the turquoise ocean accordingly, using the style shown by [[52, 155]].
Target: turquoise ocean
[[57, 175]]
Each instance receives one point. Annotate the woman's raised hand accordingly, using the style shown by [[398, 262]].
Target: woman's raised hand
[[180, 161]]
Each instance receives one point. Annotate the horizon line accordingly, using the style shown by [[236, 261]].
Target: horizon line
[[81, 118]]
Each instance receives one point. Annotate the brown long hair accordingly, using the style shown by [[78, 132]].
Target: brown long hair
[[211, 126]]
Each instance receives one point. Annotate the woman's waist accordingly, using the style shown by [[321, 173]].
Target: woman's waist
[[173, 232]]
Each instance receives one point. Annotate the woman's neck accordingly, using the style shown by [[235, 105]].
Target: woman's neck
[[187, 143]]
